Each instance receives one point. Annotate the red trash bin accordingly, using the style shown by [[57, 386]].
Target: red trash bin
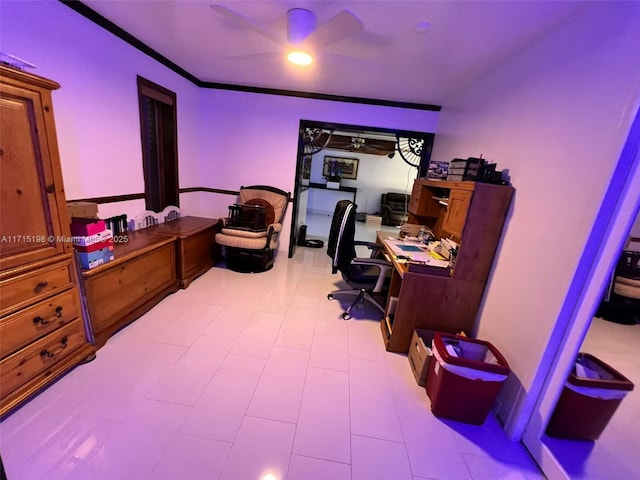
[[590, 397], [465, 377]]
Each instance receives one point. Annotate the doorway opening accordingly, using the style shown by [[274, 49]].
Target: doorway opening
[[355, 162]]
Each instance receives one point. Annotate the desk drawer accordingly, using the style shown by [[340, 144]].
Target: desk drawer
[[25, 364], [27, 325], [28, 288]]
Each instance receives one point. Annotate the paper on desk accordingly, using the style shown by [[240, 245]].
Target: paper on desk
[[414, 253]]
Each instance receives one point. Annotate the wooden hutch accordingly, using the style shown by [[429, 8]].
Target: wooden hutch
[[470, 213], [42, 334]]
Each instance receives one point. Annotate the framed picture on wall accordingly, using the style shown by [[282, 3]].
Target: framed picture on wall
[[338, 167]]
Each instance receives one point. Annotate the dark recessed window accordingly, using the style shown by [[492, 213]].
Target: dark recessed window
[[159, 145]]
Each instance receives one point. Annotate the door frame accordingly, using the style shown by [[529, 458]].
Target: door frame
[[611, 228]]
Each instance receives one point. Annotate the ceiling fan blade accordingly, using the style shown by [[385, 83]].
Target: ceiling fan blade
[[330, 56], [245, 22], [254, 56], [341, 26]]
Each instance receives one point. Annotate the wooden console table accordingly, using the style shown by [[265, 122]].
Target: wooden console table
[[142, 273], [195, 245], [341, 188]]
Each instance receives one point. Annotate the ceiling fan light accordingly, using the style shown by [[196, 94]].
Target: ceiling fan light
[[299, 58], [301, 23]]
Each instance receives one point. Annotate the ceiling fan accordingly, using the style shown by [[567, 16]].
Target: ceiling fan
[[304, 35]]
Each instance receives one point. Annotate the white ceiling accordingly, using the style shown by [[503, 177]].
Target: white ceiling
[[393, 62]]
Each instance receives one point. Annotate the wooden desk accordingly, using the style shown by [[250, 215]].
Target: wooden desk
[[196, 251], [142, 273], [434, 302], [473, 214]]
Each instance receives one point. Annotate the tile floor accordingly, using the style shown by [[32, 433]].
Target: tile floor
[[614, 456], [250, 377]]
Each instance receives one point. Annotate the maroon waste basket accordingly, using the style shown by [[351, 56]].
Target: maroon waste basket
[[590, 397], [465, 377]]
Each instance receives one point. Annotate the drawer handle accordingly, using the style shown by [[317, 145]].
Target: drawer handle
[[46, 353], [40, 286], [45, 321]]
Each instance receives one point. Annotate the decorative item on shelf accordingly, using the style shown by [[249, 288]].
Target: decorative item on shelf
[[438, 170], [465, 169], [488, 174], [117, 224], [169, 214]]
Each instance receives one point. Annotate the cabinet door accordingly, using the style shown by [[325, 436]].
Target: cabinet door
[[456, 214], [29, 217]]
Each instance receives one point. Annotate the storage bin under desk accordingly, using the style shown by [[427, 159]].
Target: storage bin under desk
[[142, 273]]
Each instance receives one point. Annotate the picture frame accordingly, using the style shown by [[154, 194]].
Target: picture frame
[[340, 168], [438, 170]]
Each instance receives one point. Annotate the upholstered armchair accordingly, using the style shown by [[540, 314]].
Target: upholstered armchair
[[251, 233], [393, 208]]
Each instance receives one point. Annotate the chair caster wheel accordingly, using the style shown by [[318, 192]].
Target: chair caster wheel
[[346, 316], [330, 296]]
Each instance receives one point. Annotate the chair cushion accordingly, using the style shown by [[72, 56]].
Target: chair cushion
[[364, 276], [627, 287], [277, 201], [237, 232], [241, 241], [270, 214]]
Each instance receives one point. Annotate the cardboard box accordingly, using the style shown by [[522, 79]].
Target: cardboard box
[[82, 227], [420, 354], [375, 220], [86, 240], [92, 247], [82, 209], [89, 260]]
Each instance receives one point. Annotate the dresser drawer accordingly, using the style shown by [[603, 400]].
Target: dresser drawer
[[25, 364], [27, 325], [25, 289]]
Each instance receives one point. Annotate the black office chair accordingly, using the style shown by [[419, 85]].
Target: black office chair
[[367, 276]]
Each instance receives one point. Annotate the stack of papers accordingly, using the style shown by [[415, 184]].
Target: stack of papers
[[411, 252]]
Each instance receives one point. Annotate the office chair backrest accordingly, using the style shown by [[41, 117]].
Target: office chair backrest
[[341, 247]]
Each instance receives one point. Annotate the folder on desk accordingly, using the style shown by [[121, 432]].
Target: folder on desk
[[409, 248]]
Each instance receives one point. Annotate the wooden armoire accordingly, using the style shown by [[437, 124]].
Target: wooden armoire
[[42, 333]]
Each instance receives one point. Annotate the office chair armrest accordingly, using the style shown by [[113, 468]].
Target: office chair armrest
[[378, 262], [374, 247]]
